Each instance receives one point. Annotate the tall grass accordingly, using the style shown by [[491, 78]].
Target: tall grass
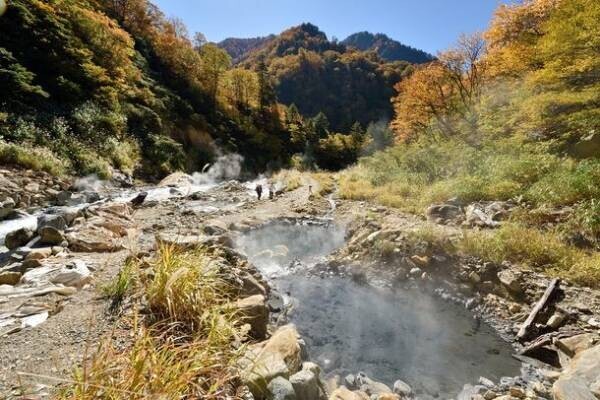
[[186, 348], [32, 157], [413, 176]]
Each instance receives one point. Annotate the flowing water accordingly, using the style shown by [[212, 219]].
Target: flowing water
[[411, 334]]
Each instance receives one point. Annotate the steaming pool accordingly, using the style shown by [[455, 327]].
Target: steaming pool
[[434, 345]]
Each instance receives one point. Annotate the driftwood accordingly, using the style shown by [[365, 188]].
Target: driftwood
[[540, 305]]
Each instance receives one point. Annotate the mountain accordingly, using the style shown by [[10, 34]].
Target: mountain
[[239, 48], [387, 48], [320, 75]]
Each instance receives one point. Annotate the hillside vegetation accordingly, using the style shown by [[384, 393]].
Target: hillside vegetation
[[513, 113], [106, 84]]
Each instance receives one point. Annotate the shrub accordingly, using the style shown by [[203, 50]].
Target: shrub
[[36, 158]]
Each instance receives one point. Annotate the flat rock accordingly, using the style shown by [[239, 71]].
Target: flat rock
[[577, 379]]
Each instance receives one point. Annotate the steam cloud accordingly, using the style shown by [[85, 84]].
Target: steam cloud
[[227, 167]]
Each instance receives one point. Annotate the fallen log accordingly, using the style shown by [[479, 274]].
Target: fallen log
[[540, 305]]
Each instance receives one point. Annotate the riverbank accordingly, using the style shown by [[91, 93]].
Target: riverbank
[[383, 247]]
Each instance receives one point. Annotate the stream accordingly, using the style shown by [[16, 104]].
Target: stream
[[411, 334]]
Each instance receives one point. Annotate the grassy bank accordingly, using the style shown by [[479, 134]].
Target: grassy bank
[[413, 176], [185, 346]]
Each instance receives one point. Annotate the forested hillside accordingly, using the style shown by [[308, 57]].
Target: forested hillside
[[319, 75], [102, 84], [387, 48]]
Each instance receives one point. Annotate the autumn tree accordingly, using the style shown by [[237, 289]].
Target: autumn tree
[[215, 62]]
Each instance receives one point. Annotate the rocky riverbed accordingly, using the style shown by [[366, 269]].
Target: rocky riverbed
[[52, 311]]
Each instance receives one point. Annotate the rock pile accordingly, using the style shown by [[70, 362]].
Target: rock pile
[[26, 188]]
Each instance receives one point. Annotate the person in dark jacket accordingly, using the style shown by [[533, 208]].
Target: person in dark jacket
[[259, 191]]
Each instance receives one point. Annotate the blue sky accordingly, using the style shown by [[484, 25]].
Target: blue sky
[[430, 25]]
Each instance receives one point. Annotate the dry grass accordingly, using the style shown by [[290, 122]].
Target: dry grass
[[187, 348], [540, 250]]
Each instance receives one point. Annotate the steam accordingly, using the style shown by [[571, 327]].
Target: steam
[[227, 167], [274, 248], [88, 183]]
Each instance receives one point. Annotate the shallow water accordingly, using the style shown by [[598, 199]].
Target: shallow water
[[411, 334]]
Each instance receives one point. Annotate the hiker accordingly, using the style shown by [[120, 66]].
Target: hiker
[[259, 191], [271, 192]]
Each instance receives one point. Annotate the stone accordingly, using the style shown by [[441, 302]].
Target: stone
[[388, 396], [253, 310], [216, 227], [306, 385], [444, 213], [402, 388], [350, 381], [75, 274], [281, 389], [370, 386], [93, 239], [577, 378], [575, 344], [281, 355], [421, 261], [10, 278], [509, 280], [476, 216], [251, 285], [556, 320], [177, 179], [52, 220], [39, 253], [18, 238], [587, 146], [342, 393], [6, 207], [51, 236]]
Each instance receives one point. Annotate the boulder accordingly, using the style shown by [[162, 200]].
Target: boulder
[[18, 238], [278, 356], [93, 239], [388, 396], [10, 278], [402, 388], [52, 220], [177, 179], [254, 311], [306, 385], [216, 227], [444, 213], [575, 383], [6, 207], [281, 389], [477, 215], [510, 281], [576, 344], [51, 236]]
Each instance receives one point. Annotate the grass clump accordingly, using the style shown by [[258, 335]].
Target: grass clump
[[31, 157], [540, 250], [187, 347], [122, 285]]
